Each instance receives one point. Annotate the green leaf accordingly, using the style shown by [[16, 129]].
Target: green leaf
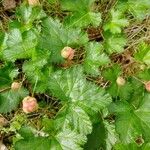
[[63, 140], [38, 72], [9, 100], [111, 136], [116, 23], [94, 58], [70, 140], [82, 15], [34, 143], [3, 37], [75, 118], [139, 8], [28, 14], [20, 45], [112, 73], [131, 122], [114, 43], [71, 85], [123, 92], [143, 54], [96, 139], [131, 146], [144, 75], [5, 79], [55, 37]]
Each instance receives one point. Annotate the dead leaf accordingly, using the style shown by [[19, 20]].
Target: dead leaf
[[9, 4]]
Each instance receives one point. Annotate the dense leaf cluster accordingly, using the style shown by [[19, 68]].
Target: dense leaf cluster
[[108, 116]]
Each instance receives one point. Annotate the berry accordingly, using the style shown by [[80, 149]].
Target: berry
[[15, 86], [29, 104], [147, 86], [33, 2], [3, 121], [67, 53], [120, 81]]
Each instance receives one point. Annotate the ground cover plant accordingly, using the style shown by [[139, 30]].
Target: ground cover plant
[[75, 74]]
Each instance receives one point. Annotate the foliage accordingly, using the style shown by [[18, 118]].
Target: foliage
[[81, 104]]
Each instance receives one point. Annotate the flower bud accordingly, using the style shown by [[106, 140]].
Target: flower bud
[[120, 81], [15, 86], [29, 104], [67, 53], [147, 86]]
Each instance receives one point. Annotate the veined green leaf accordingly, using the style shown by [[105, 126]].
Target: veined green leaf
[[95, 57], [20, 45], [55, 37], [81, 13], [143, 54], [131, 122], [116, 22], [114, 43], [10, 99]]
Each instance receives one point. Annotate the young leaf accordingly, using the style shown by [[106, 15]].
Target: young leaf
[[116, 22], [94, 58]]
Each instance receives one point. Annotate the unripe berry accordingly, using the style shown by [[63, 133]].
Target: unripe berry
[[67, 53], [29, 104], [15, 86], [3, 121], [33, 2], [147, 86], [120, 81]]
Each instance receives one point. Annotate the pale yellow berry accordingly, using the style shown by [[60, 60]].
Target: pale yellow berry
[[33, 2], [15, 85], [120, 81]]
